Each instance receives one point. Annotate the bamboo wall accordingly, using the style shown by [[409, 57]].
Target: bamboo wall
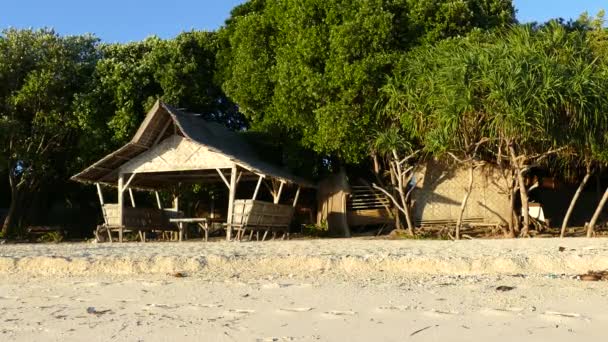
[[441, 188]]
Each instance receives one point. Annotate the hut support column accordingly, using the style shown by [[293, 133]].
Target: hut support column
[[121, 180], [132, 198], [160, 206], [100, 194], [232, 190], [278, 196], [257, 188], [295, 199]]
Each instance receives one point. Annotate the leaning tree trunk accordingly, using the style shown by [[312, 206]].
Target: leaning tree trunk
[[11, 217], [513, 221], [522, 193], [398, 224], [574, 200], [463, 205], [596, 215], [401, 188], [524, 204]]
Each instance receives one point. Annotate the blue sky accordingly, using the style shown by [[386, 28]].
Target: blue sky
[[130, 20]]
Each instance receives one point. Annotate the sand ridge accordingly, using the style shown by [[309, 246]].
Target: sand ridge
[[353, 258]]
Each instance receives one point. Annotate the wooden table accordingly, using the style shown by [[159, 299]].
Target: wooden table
[[201, 221]]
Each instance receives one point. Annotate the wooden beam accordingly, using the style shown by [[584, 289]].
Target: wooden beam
[[270, 189], [238, 179], [162, 132], [140, 145], [224, 178], [295, 200], [278, 197], [100, 194], [232, 188], [257, 188], [132, 198], [160, 206], [126, 186], [121, 179], [101, 168]]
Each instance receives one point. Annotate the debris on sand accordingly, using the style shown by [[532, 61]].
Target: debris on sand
[[504, 288], [179, 275], [593, 276], [92, 311], [562, 314], [421, 330]]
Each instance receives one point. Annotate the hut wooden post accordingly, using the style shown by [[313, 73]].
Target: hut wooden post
[[278, 196], [100, 194], [257, 188], [121, 179], [295, 199], [212, 209], [232, 190], [132, 198], [160, 206]]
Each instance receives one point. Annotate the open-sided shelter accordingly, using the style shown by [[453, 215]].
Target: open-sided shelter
[[172, 146]]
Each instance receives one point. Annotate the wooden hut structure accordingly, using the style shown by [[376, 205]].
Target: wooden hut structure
[[173, 147]]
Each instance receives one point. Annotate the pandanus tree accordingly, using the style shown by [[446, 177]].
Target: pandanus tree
[[434, 94], [586, 128], [597, 39], [452, 109], [526, 85]]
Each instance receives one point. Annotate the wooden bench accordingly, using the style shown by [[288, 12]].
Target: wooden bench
[[141, 220], [257, 216]]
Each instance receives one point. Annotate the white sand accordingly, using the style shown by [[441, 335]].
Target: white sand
[[329, 290]]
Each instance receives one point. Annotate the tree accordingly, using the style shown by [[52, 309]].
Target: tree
[[40, 75], [130, 77], [399, 155], [441, 91], [313, 68]]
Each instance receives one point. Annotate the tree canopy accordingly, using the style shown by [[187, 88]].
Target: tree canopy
[[313, 68]]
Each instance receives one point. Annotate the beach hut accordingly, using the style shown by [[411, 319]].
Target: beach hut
[[172, 146]]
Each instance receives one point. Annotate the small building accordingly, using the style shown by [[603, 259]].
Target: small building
[[440, 189], [436, 200], [172, 146]]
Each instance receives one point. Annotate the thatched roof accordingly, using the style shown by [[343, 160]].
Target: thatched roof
[[163, 121]]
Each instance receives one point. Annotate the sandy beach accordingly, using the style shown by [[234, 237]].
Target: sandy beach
[[327, 290]]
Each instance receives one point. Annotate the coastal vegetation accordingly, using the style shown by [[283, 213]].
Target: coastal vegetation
[[328, 84]]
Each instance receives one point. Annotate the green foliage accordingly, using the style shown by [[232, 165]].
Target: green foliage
[[41, 74], [535, 88], [54, 237], [131, 77], [312, 68], [314, 230]]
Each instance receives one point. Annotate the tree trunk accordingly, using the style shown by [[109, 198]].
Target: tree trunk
[[463, 205], [408, 219], [398, 224], [513, 222], [11, 216], [401, 189], [16, 213], [523, 193], [574, 200], [596, 215]]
